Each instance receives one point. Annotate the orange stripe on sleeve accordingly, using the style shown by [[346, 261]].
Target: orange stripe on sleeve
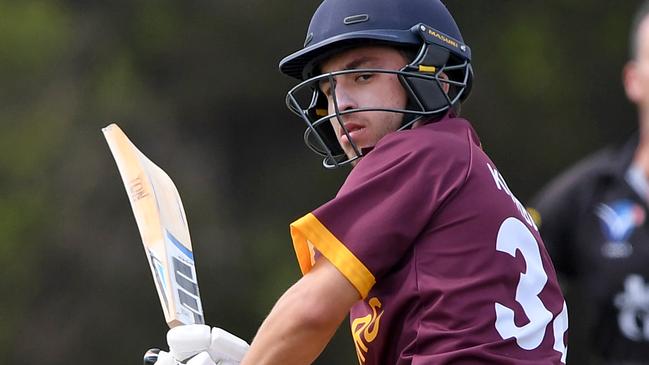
[[307, 232]]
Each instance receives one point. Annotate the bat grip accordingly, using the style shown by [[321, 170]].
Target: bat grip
[[151, 356]]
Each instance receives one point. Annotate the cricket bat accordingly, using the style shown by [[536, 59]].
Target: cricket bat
[[163, 227]]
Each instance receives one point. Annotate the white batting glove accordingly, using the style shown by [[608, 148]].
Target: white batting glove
[[202, 346]]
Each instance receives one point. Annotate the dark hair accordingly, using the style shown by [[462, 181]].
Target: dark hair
[[638, 18]]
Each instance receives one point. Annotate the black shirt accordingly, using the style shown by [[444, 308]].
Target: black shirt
[[595, 227]]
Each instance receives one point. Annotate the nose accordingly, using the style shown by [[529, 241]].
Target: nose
[[344, 100]]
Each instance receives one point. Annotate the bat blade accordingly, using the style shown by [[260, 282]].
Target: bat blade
[[161, 220]]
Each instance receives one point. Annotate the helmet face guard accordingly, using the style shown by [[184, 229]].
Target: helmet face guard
[[434, 68]]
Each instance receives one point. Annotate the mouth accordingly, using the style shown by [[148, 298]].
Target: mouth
[[351, 128], [353, 132]]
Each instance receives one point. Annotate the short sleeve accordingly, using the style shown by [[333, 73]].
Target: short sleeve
[[387, 201]]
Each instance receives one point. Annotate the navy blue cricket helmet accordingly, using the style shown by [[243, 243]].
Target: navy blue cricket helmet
[[423, 28]]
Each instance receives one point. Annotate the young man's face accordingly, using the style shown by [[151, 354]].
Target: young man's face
[[365, 90], [636, 72]]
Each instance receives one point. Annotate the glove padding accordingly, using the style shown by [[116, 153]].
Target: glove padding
[[198, 345]]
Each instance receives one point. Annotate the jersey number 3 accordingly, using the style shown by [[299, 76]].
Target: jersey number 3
[[514, 235]]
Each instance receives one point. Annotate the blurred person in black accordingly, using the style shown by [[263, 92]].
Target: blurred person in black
[[593, 218]]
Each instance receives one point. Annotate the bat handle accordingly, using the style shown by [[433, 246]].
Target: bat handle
[[151, 356]]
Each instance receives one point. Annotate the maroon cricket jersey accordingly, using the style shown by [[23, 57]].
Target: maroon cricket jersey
[[450, 266]]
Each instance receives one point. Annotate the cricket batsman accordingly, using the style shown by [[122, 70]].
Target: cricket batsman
[[424, 247]]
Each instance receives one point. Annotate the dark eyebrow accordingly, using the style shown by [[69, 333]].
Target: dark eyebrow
[[353, 64], [356, 63]]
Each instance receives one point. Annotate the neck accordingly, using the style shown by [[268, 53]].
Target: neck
[[641, 157]]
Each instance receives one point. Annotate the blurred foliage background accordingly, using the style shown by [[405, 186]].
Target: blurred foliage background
[[195, 85]]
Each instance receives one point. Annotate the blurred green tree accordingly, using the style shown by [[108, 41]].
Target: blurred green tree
[[195, 85]]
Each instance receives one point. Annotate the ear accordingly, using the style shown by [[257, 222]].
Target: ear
[[445, 86], [632, 83]]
